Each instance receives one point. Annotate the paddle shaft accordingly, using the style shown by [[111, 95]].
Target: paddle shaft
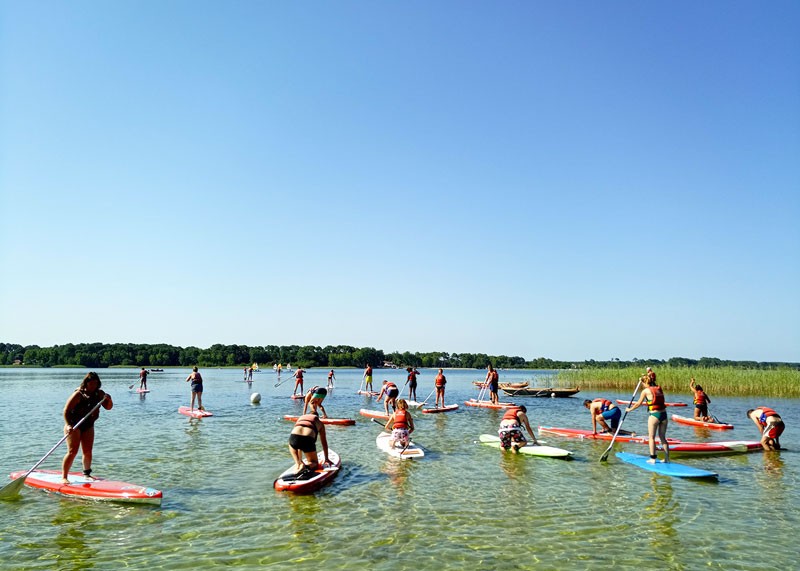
[[13, 487], [376, 421], [604, 457]]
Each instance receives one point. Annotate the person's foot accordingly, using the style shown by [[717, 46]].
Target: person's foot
[[65, 481], [651, 460]]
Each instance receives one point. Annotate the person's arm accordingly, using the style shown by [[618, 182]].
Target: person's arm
[[389, 423], [594, 420], [107, 402], [71, 402], [324, 412], [638, 403], [410, 423], [691, 384], [528, 426], [324, 439]]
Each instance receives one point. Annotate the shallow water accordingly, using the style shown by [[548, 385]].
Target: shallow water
[[463, 506]]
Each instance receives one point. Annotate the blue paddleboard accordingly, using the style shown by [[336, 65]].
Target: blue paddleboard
[[667, 469]]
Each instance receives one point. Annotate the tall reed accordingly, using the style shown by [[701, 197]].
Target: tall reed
[[721, 381]]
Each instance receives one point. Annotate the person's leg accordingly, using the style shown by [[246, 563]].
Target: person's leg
[[87, 446], [73, 444]]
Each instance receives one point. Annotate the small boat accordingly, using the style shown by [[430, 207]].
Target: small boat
[[194, 412], [373, 414], [666, 468], [692, 422], [407, 453], [530, 448], [448, 408], [286, 482], [620, 401], [90, 488], [488, 404], [513, 385], [541, 392], [336, 421], [156, 370]]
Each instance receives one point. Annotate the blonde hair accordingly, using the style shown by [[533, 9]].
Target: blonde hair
[[402, 404]]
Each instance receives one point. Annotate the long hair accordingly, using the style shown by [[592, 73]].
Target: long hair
[[91, 376]]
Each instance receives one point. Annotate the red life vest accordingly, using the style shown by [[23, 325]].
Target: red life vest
[[369, 371], [700, 398], [390, 386], [765, 413], [511, 413], [401, 419], [494, 376], [658, 399], [440, 380], [606, 404]]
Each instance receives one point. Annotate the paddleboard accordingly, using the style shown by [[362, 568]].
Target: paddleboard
[[337, 421], [296, 397], [620, 401], [413, 451], [373, 414], [90, 488], [415, 403], [141, 391], [194, 413], [692, 422], [368, 393], [665, 468], [447, 408], [713, 448], [488, 404], [587, 434], [321, 476], [530, 448]]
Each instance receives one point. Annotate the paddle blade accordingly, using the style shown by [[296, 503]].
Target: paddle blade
[[12, 489]]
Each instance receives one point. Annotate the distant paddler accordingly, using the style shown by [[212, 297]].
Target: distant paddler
[[298, 381], [367, 377], [411, 381], [440, 381], [197, 388], [701, 402], [492, 383], [313, 400], [770, 424]]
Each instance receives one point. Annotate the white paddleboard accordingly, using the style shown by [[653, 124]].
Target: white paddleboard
[[530, 448], [413, 451]]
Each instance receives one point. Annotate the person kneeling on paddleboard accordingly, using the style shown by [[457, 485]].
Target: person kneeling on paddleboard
[[701, 402], [603, 410], [314, 398], [79, 404], [770, 424], [390, 391], [510, 432], [303, 440], [401, 424]]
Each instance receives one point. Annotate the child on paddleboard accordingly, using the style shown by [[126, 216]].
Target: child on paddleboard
[[401, 424]]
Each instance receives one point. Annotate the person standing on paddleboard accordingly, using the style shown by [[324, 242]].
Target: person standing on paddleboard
[[390, 392], [368, 378], [440, 381], [303, 440], [492, 383], [603, 410], [143, 379], [510, 432], [331, 378], [701, 402], [657, 420], [770, 424], [298, 382], [78, 405], [313, 399], [197, 388], [401, 424], [412, 383]]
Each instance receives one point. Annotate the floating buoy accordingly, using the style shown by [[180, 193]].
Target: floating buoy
[[552, 395], [255, 398]]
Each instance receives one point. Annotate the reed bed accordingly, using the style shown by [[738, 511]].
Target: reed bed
[[721, 381]]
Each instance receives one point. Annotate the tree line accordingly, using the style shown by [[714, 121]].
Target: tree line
[[101, 355]]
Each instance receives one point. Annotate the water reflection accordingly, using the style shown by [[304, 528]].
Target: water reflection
[[398, 470], [661, 516], [75, 548]]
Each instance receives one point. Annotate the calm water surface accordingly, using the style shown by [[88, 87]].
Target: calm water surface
[[463, 506]]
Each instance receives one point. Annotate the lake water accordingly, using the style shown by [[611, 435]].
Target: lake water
[[464, 506]]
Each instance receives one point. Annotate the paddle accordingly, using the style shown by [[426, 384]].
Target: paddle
[[376, 421], [604, 457], [383, 424], [12, 489], [429, 396]]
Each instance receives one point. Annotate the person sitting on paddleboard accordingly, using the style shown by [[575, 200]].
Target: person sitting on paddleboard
[[303, 440], [197, 388], [657, 420], [701, 401], [79, 404], [492, 383], [770, 424], [411, 380], [440, 382], [603, 410], [313, 399], [510, 432], [143, 379], [401, 424], [298, 375], [368, 378], [390, 391]]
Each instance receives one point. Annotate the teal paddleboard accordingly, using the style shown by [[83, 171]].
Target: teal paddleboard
[[665, 468]]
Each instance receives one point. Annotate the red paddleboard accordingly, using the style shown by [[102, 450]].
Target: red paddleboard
[[320, 477], [620, 401], [693, 422], [447, 408], [587, 434], [90, 488], [373, 414], [488, 404], [194, 413], [337, 421], [295, 397], [713, 448]]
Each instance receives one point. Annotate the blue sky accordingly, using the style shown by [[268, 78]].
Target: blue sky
[[573, 180]]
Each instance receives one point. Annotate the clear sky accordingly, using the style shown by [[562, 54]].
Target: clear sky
[[572, 180]]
